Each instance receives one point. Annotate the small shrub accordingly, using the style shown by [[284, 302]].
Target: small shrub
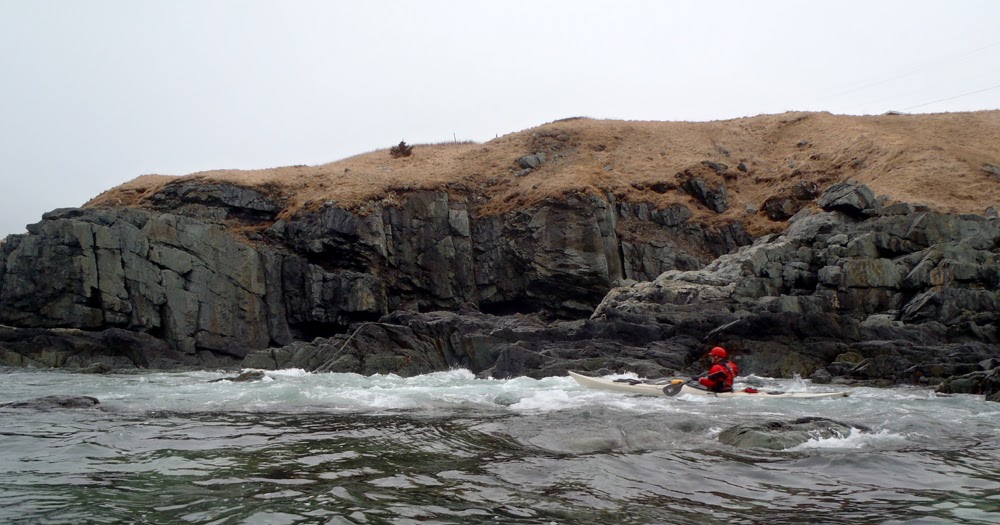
[[401, 150]]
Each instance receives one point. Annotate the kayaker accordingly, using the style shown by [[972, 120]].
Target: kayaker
[[722, 373]]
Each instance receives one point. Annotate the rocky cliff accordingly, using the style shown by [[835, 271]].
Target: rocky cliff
[[581, 244], [210, 294]]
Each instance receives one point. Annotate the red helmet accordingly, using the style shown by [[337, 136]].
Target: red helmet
[[718, 352]]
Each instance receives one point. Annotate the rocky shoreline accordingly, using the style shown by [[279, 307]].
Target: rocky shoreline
[[853, 291]]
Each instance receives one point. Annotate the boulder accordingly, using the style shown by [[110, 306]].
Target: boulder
[[781, 435], [530, 162], [54, 402], [247, 376], [850, 198], [781, 208], [986, 383]]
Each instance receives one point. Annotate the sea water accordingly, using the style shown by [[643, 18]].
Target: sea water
[[449, 448]]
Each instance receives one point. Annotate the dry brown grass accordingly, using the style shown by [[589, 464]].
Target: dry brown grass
[[929, 159]]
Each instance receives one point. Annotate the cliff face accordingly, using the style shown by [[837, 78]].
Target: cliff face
[[209, 294], [585, 250], [171, 277]]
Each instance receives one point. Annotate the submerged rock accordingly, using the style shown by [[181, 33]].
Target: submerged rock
[[780, 435], [247, 376], [50, 402]]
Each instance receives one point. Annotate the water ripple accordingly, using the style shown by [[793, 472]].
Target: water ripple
[[449, 452]]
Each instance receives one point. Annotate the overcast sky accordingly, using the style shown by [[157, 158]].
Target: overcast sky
[[94, 93]]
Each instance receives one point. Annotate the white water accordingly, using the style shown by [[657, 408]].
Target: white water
[[507, 451]]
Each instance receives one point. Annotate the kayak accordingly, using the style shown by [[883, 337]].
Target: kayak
[[680, 387]]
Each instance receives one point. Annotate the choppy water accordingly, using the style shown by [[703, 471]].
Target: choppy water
[[448, 448]]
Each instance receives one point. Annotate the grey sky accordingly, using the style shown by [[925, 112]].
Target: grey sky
[[96, 93]]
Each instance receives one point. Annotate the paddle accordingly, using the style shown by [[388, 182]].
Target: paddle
[[674, 387], [660, 381]]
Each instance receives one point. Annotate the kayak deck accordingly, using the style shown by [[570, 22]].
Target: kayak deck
[[675, 387]]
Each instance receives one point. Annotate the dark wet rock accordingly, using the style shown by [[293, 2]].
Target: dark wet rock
[[96, 368], [490, 346], [55, 402], [821, 377], [781, 435], [247, 376], [403, 343], [102, 351], [985, 382]]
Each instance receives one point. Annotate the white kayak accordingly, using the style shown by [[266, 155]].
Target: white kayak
[[679, 387]]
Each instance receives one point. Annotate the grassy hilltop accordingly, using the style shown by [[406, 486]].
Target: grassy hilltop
[[946, 161]]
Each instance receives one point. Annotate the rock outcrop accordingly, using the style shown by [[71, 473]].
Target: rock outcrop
[[490, 346], [598, 246], [185, 282], [207, 297], [985, 381], [837, 296], [851, 292], [909, 291]]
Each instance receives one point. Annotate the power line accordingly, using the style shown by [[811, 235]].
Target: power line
[[919, 69], [951, 98]]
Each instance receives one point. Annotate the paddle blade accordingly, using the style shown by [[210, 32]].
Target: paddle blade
[[672, 390]]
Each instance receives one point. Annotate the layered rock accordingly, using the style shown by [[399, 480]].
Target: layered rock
[[434, 253], [910, 291], [490, 346], [175, 278], [854, 291], [207, 294], [983, 380]]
